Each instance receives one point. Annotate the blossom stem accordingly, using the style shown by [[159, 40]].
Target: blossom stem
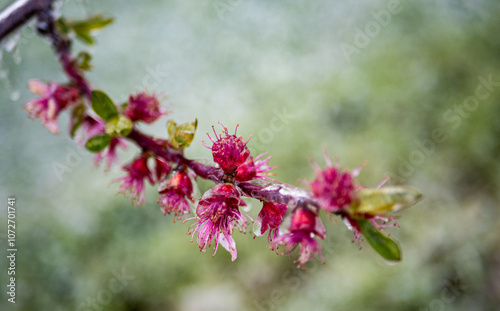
[[62, 47], [171, 155]]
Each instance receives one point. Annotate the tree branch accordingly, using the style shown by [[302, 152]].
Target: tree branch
[[172, 155], [19, 13]]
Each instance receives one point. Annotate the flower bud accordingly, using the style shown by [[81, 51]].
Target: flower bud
[[229, 151], [144, 107]]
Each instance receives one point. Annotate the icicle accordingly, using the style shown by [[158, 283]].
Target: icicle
[[4, 77], [11, 42], [16, 56]]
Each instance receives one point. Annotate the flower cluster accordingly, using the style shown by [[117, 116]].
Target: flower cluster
[[364, 211], [290, 226], [218, 211], [291, 215]]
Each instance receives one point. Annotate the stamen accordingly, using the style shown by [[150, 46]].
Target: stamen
[[248, 139], [328, 161], [205, 144], [215, 133], [383, 182]]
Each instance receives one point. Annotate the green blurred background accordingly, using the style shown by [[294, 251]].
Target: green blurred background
[[396, 90]]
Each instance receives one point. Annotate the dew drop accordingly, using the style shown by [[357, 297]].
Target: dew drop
[[15, 95], [246, 208]]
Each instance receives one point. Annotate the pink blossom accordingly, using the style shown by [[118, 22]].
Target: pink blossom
[[133, 182], [162, 169], [54, 98], [89, 127], [305, 225], [175, 193], [254, 169], [218, 215], [270, 217], [333, 187], [109, 153], [228, 151], [144, 107]]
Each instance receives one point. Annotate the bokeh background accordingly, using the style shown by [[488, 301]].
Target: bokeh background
[[393, 84]]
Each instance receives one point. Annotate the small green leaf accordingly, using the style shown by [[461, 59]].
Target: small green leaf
[[98, 142], [77, 115], [103, 105], [182, 135], [119, 125], [94, 22], [83, 61], [85, 28], [85, 37], [171, 125], [63, 26], [380, 241], [124, 126], [385, 199]]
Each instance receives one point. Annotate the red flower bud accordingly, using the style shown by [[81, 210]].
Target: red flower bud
[[304, 226], [333, 188], [270, 217], [229, 151], [144, 107], [133, 182]]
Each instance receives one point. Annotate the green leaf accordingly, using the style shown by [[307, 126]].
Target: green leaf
[[83, 61], [98, 142], [85, 37], [182, 135], [84, 29], [171, 125], [380, 241], [77, 115], [103, 105], [94, 22], [63, 26], [119, 125], [385, 199]]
